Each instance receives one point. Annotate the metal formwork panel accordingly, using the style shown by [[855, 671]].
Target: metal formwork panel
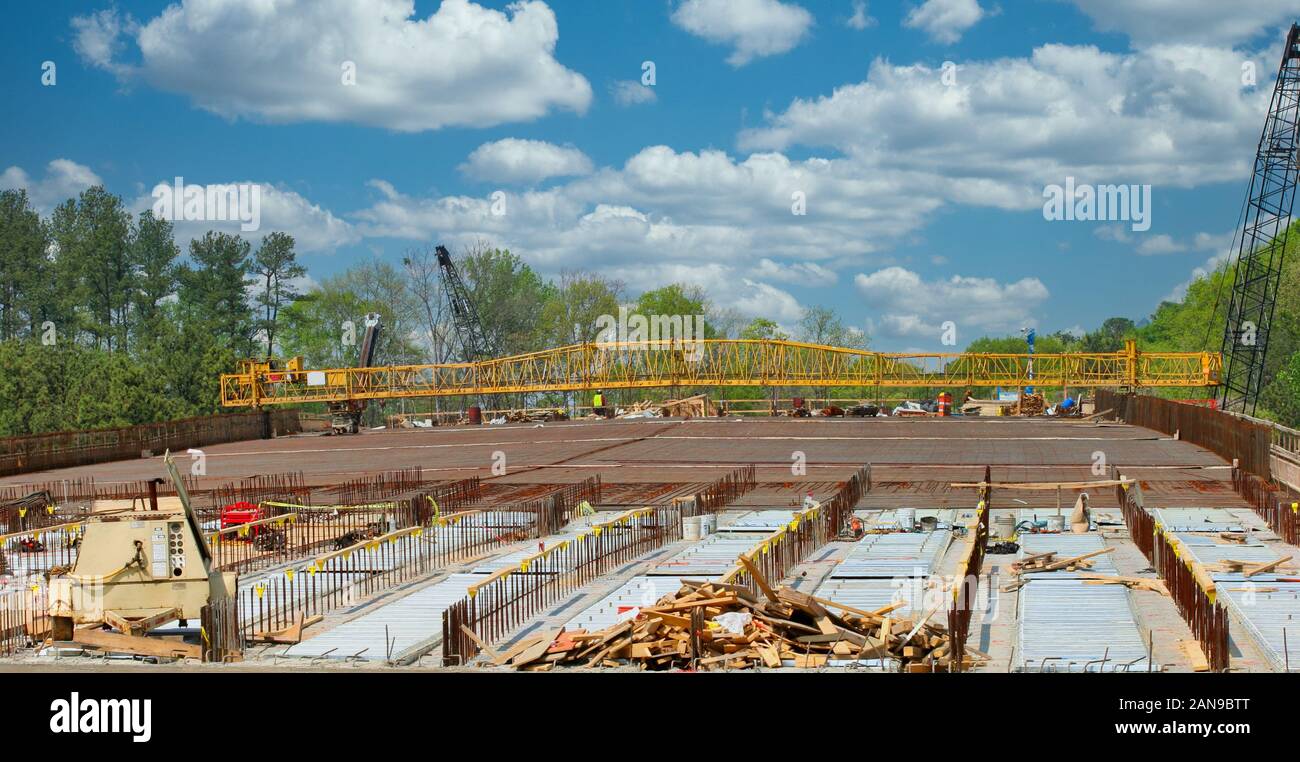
[[873, 594], [1065, 546], [1270, 615], [710, 557], [1197, 519], [1211, 553], [392, 628], [515, 558], [1067, 625], [759, 521], [636, 593], [911, 554]]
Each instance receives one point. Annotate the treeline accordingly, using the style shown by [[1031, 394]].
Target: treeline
[[105, 322]]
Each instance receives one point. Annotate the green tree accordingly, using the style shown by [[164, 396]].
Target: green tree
[[275, 264], [507, 294], [213, 289], [23, 265], [762, 328], [155, 253], [569, 316], [822, 325], [93, 234]]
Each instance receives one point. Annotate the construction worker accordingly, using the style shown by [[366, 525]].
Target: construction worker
[[598, 403]]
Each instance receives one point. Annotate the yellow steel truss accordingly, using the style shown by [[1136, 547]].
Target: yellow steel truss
[[719, 362]]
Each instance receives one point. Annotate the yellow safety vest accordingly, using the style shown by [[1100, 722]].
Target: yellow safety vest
[[598, 401]]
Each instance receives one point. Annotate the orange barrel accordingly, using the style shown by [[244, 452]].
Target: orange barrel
[[945, 403]]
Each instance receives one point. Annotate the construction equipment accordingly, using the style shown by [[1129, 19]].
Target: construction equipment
[[345, 413], [1263, 238], [475, 344], [729, 362], [137, 570]]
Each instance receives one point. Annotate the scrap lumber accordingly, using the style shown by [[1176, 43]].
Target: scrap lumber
[[1042, 562], [691, 629]]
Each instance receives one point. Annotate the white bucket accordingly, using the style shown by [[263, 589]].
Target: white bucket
[[691, 528], [1004, 526], [708, 524], [906, 519]]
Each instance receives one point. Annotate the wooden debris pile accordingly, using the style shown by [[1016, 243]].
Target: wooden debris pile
[[535, 416], [713, 626]]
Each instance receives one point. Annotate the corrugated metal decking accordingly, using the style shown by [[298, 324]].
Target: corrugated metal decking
[[1271, 615], [914, 554], [1069, 626]]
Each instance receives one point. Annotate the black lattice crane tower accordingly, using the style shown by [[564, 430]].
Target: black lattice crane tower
[[1263, 238], [474, 342]]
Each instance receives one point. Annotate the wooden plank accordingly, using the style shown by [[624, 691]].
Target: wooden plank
[[133, 644], [482, 646]]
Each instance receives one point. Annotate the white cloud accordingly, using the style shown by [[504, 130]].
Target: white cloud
[[754, 28], [860, 19], [945, 20], [1199, 21], [1168, 115], [1159, 244], [630, 92], [801, 273], [907, 305], [64, 179], [524, 161], [1220, 244], [315, 230], [464, 65]]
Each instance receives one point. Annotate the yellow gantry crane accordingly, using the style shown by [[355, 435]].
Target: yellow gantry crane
[[717, 363]]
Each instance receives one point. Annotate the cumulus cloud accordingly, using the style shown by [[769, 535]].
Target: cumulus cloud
[[1159, 244], [945, 20], [907, 305], [315, 230], [1198, 21], [524, 161], [1167, 115], [463, 65], [64, 179], [754, 28], [631, 92]]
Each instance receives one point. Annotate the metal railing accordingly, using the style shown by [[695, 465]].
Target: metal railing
[[1274, 503], [344, 576], [24, 617], [40, 452], [508, 598], [1231, 437], [726, 490], [1191, 586]]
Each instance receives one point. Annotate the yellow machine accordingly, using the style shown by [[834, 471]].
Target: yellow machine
[[137, 570]]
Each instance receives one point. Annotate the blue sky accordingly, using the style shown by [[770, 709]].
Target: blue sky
[[923, 193]]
